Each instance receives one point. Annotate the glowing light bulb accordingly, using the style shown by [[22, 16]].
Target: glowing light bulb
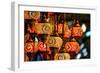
[[83, 27]]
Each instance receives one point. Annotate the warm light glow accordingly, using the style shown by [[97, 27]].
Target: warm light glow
[[83, 27]]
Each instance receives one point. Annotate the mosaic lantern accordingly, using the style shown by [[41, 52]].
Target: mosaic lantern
[[29, 47], [35, 14], [77, 31], [72, 46], [55, 42], [32, 29], [43, 28], [41, 46], [67, 31], [62, 56], [60, 28]]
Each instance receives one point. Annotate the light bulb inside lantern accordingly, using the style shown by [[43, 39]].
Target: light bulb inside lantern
[[83, 27]]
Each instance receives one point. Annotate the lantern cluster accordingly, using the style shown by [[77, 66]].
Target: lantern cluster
[[48, 40]]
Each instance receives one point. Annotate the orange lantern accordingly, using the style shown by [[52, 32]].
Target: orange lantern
[[72, 46], [77, 31], [60, 28], [67, 31], [29, 47]]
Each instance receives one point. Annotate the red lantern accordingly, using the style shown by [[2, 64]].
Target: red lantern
[[77, 31], [41, 46], [72, 47]]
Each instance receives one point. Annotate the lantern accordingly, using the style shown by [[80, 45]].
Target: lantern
[[29, 47], [35, 14], [72, 46], [26, 15], [43, 28], [60, 28], [77, 31], [41, 46], [32, 29], [67, 31], [62, 56], [55, 42], [44, 47]]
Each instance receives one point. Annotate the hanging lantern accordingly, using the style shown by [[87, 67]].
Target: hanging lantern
[[62, 56], [41, 46], [60, 28], [77, 31], [72, 46], [29, 47], [43, 28], [26, 15], [35, 14], [32, 29], [55, 42], [67, 31]]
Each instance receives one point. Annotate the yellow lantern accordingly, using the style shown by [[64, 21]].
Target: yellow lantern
[[62, 56]]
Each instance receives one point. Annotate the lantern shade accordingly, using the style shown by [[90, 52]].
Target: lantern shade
[[67, 31], [34, 15], [62, 56], [72, 47], [60, 28], [41, 46], [55, 42], [77, 31], [43, 28], [29, 47]]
